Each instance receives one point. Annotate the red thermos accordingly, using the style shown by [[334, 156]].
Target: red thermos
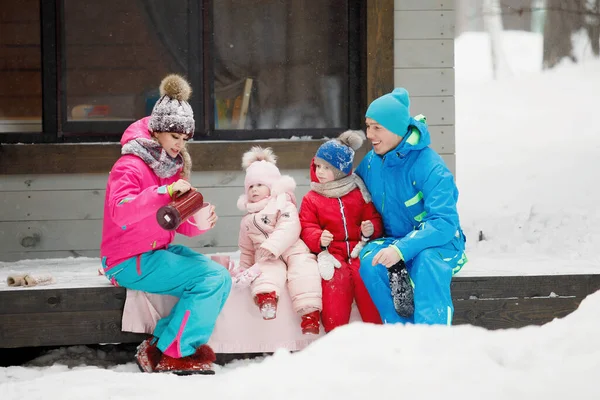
[[172, 215]]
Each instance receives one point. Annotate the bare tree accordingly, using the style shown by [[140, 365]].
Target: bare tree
[[493, 25], [592, 24], [562, 19]]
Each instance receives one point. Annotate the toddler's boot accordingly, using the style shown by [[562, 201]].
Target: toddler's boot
[[267, 303], [310, 323]]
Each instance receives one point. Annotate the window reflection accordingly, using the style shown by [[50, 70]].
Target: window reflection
[[20, 67], [117, 52], [284, 63]]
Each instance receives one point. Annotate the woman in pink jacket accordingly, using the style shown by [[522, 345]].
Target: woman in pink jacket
[[137, 253], [271, 249]]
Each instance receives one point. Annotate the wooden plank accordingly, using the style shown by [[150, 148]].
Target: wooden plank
[[423, 53], [425, 81], [111, 298], [380, 49], [502, 287], [50, 312], [442, 138], [62, 329], [413, 5], [9, 256], [512, 313], [51, 205], [90, 327], [9, 183], [99, 158], [438, 110], [86, 234], [423, 25], [55, 205], [61, 300]]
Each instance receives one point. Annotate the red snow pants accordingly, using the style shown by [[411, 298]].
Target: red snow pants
[[339, 294]]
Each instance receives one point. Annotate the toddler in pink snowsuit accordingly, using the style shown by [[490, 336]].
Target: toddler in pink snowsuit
[[271, 249]]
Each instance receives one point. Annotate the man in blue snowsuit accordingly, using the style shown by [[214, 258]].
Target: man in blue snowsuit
[[416, 195]]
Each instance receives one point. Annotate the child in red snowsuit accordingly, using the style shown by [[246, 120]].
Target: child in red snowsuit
[[337, 218]]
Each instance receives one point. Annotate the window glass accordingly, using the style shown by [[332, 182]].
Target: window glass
[[20, 67], [115, 54], [280, 64]]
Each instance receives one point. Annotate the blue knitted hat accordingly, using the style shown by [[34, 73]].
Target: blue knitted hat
[[392, 111], [339, 153]]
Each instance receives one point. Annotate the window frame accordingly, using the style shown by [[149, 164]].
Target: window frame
[[57, 129]]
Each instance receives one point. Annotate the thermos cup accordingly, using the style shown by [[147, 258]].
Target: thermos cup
[[182, 207]]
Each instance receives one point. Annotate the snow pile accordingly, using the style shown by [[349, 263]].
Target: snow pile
[[554, 361]]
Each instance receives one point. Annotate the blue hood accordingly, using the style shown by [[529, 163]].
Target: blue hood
[[417, 138]]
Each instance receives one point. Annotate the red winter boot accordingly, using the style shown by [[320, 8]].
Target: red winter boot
[[267, 303], [201, 362], [310, 323], [148, 355]]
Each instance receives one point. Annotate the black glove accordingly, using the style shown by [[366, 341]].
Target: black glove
[[402, 290]]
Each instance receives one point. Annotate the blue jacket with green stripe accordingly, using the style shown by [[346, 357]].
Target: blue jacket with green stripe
[[415, 193]]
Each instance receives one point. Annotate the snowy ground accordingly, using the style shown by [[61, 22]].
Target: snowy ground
[[527, 158], [527, 169]]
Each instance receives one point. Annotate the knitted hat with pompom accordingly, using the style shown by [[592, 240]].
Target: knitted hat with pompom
[[339, 152], [260, 167], [172, 112]]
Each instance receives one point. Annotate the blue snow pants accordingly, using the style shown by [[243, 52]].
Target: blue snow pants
[[430, 271], [201, 284]]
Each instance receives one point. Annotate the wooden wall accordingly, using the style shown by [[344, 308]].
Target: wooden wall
[[45, 214], [60, 215], [424, 65]]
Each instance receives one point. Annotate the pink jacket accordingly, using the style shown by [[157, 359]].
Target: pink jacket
[[133, 195], [275, 226]]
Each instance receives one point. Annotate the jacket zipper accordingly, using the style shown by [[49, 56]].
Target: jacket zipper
[[263, 232], [259, 228], [345, 227]]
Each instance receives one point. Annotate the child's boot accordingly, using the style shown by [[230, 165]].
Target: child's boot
[[310, 323], [267, 303]]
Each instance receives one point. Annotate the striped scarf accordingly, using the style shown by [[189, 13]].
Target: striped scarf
[[153, 154]]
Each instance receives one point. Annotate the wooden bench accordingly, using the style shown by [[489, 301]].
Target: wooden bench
[[73, 313]]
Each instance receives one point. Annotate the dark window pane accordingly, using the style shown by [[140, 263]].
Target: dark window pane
[[116, 52], [20, 67], [285, 62]]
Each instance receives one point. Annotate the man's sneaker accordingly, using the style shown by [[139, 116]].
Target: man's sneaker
[[402, 290]]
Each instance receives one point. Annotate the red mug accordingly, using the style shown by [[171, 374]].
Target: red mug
[[182, 207]]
